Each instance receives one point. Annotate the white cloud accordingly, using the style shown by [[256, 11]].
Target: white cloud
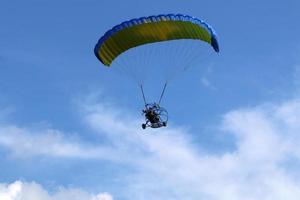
[[166, 164], [103, 196], [171, 168], [23, 142], [33, 191]]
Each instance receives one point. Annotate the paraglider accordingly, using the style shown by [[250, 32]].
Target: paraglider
[[155, 116], [144, 31]]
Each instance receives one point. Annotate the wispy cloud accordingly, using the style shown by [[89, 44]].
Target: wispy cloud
[[165, 163], [171, 168], [205, 78], [207, 83], [25, 142]]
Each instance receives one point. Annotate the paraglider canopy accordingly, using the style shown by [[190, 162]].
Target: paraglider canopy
[[152, 29]]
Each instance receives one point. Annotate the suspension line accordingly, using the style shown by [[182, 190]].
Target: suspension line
[[141, 85], [162, 94]]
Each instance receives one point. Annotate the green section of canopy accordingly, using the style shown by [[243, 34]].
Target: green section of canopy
[[149, 32]]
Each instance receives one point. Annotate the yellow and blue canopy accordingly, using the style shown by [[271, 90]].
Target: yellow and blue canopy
[[152, 29]]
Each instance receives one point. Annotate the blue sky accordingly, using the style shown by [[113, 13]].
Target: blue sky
[[69, 128]]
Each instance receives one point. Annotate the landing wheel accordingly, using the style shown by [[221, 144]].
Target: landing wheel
[[143, 126], [164, 123]]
